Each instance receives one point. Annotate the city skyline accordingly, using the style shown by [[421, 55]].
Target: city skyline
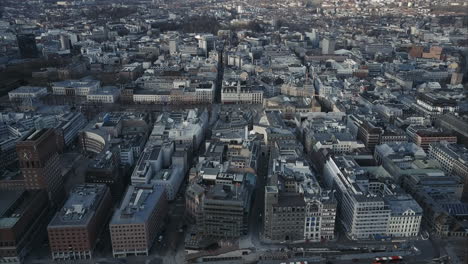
[[233, 131]]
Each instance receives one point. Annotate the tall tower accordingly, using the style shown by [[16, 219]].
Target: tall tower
[[39, 163]]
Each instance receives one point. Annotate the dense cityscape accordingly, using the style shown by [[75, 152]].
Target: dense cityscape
[[233, 131]]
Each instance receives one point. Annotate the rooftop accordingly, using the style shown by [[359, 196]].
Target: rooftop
[[81, 83], [13, 204], [80, 207], [29, 89], [402, 203], [138, 204], [106, 90], [163, 175]]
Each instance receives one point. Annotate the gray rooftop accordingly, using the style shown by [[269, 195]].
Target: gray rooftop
[[402, 203], [28, 89], [138, 204], [80, 207]]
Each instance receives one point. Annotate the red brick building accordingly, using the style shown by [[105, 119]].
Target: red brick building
[[23, 216], [39, 162], [136, 224], [74, 230], [425, 138]]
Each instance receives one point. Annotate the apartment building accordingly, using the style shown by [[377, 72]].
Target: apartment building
[[225, 210]]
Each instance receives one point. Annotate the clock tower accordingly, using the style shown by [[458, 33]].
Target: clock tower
[[39, 163]]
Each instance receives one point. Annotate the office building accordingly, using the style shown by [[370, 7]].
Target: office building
[[80, 87], [103, 95], [137, 222], [75, 229], [65, 43], [369, 134], [397, 152], [235, 93], [453, 159], [23, 218], [225, 211], [25, 92], [296, 208], [104, 169], [328, 45], [425, 138], [368, 206], [284, 215]]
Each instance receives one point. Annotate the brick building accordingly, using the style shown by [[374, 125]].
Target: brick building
[[74, 230], [39, 162], [425, 138], [136, 224], [23, 216]]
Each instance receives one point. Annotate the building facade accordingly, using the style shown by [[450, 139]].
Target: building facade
[[75, 229], [25, 92], [368, 207], [138, 221], [39, 162]]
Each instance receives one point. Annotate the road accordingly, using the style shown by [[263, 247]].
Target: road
[[255, 218]]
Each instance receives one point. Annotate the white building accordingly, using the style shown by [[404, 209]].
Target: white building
[[160, 164], [24, 92], [149, 97], [186, 129], [337, 142], [405, 217], [205, 92], [449, 156], [152, 160], [368, 207], [80, 87], [233, 93], [106, 95]]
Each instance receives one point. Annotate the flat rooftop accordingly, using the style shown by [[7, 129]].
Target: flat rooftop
[[163, 175], [82, 83], [13, 204], [29, 89], [80, 207], [106, 90], [138, 204]]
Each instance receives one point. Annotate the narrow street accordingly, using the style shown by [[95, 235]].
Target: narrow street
[[256, 215]]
